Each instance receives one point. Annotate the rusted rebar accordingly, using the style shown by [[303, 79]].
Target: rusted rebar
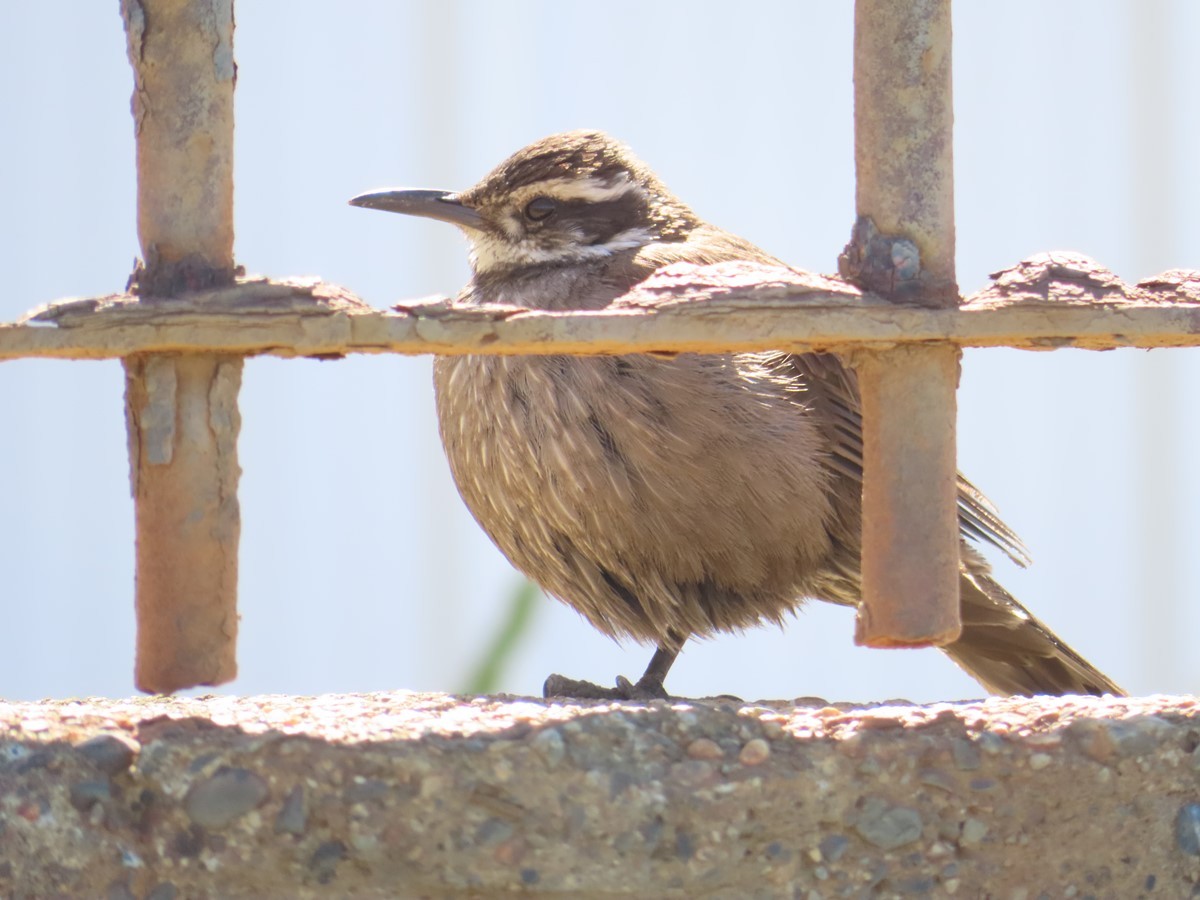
[[903, 248], [181, 409]]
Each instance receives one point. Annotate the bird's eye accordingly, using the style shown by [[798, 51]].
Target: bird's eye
[[539, 208]]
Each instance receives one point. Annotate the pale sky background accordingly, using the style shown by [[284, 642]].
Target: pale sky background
[[1076, 128]]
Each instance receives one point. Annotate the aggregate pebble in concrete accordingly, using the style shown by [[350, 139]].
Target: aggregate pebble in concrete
[[107, 753], [218, 800], [423, 795]]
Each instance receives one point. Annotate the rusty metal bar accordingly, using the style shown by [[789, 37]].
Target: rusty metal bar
[[903, 247], [181, 409], [1048, 301]]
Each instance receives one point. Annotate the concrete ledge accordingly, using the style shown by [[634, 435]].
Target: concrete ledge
[[429, 795]]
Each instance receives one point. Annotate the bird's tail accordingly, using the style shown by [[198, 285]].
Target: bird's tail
[[1007, 650]]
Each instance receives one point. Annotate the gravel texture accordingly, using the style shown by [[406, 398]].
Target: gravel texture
[[429, 795]]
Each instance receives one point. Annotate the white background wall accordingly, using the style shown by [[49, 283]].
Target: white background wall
[[1076, 129]]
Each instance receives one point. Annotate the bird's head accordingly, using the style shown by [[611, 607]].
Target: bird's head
[[565, 199]]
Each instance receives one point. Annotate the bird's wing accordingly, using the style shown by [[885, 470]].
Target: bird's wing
[[833, 388], [830, 385]]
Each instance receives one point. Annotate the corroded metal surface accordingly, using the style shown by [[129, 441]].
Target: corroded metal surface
[[902, 247], [1049, 300], [181, 412]]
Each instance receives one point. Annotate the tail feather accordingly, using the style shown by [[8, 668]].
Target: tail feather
[[1007, 650]]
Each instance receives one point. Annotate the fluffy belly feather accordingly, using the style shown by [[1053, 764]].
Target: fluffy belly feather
[[644, 492]]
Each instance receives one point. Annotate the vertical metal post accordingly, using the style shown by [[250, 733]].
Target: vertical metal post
[[181, 409], [903, 248]]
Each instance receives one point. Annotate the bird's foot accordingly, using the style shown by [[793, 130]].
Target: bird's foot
[[559, 686]]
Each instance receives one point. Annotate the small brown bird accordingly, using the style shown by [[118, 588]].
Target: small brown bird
[[669, 497]]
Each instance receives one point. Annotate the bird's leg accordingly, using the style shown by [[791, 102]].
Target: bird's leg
[[648, 687]]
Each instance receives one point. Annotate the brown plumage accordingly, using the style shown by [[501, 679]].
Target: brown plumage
[[669, 497]]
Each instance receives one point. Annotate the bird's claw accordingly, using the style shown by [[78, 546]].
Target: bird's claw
[[559, 686]]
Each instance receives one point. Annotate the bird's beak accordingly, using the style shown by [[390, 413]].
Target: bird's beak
[[442, 205]]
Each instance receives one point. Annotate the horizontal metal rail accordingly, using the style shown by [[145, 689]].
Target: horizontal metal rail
[[1048, 301]]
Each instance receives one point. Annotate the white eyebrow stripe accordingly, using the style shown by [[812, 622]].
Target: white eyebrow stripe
[[594, 190]]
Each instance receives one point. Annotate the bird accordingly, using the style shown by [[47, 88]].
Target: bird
[[666, 497]]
